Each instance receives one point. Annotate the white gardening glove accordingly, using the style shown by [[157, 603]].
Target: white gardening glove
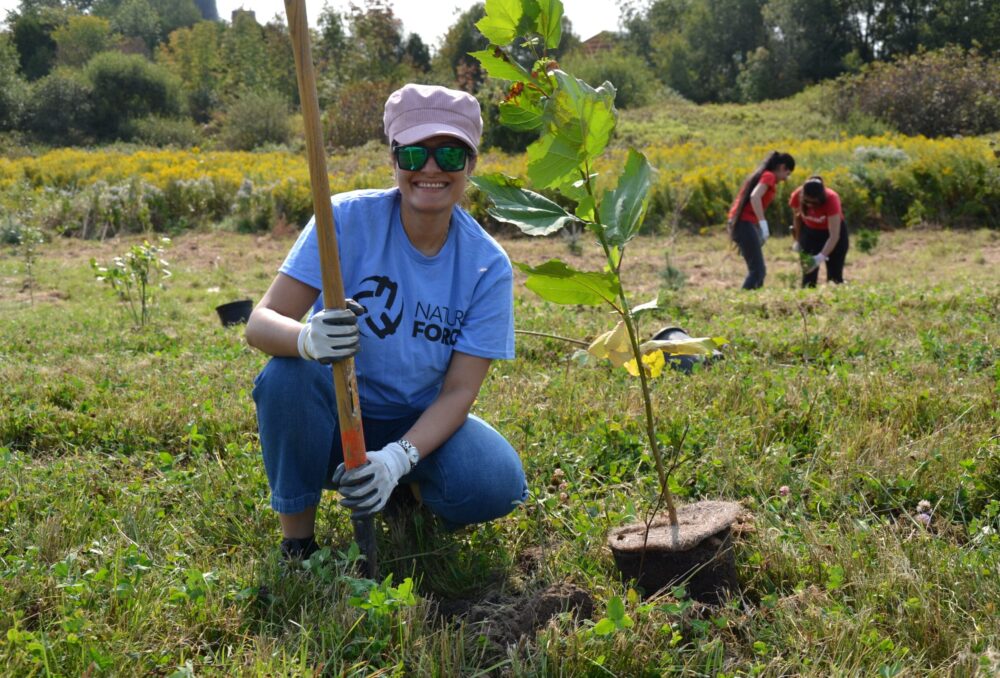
[[366, 489], [817, 260], [331, 335], [765, 232], [796, 247]]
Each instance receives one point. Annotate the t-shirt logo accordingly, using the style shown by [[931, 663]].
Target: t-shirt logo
[[381, 292]]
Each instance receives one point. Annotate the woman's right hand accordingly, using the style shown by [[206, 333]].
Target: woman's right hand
[[796, 247]]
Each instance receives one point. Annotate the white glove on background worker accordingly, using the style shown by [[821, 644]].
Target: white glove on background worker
[[765, 232], [331, 335], [366, 489], [817, 260]]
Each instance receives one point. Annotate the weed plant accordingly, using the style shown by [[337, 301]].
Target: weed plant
[[136, 535]]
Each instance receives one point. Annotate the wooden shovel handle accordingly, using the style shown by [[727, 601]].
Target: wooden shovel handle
[[344, 380]]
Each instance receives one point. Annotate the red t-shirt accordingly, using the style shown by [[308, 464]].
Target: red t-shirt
[[769, 180], [817, 216]]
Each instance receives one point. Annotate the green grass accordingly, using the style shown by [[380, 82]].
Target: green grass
[[137, 538], [677, 120]]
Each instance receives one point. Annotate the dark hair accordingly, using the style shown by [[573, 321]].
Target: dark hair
[[773, 161], [814, 189]]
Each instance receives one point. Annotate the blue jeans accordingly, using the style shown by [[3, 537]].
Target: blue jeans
[[748, 239], [474, 476]]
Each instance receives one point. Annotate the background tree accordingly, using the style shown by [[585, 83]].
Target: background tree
[[127, 87], [416, 55], [174, 14], [280, 75], [330, 44], [452, 59], [80, 38], [31, 32], [13, 88], [137, 19], [194, 56], [60, 109], [246, 57], [376, 42], [698, 45]]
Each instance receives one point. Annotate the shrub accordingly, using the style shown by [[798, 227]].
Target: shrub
[[127, 87], [634, 80], [60, 110], [355, 117], [13, 89], [255, 119], [160, 132], [946, 92]]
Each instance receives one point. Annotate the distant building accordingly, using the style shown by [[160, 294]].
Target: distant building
[[602, 42], [243, 12], [208, 9]]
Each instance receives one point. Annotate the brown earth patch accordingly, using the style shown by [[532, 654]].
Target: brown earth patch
[[504, 619]]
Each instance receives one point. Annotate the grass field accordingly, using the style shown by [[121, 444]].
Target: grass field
[[137, 538]]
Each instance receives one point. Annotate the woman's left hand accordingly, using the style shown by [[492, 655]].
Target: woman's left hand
[[366, 489]]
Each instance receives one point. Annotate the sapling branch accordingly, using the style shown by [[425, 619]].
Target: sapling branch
[[553, 336]]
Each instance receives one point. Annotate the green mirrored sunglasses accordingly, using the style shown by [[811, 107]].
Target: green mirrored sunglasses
[[448, 158]]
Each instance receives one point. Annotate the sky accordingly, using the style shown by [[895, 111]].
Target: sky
[[428, 18]]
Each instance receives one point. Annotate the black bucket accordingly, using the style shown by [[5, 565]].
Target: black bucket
[[235, 312], [683, 363]]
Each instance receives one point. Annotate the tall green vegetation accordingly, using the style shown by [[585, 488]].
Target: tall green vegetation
[[194, 55], [13, 89], [61, 109], [255, 119], [940, 93], [80, 38], [728, 50], [128, 87]]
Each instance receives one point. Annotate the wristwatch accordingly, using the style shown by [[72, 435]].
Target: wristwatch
[[411, 451]]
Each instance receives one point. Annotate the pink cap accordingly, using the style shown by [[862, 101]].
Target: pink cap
[[417, 112]]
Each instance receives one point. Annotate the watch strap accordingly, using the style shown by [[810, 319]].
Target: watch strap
[[411, 451]]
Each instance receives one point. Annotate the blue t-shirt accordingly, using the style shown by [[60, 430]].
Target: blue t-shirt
[[419, 309]]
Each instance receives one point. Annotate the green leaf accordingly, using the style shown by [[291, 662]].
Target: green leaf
[[529, 21], [616, 608], [604, 627], [834, 577], [585, 209], [622, 209], [552, 161], [534, 214], [521, 114], [498, 65], [499, 26], [549, 22], [577, 190], [556, 282], [579, 121]]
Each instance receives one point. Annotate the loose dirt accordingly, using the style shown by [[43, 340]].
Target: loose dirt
[[505, 618]]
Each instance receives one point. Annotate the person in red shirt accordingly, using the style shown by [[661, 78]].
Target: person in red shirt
[[747, 225], [819, 229]]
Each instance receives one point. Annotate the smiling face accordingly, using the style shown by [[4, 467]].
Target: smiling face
[[781, 173], [431, 192]]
